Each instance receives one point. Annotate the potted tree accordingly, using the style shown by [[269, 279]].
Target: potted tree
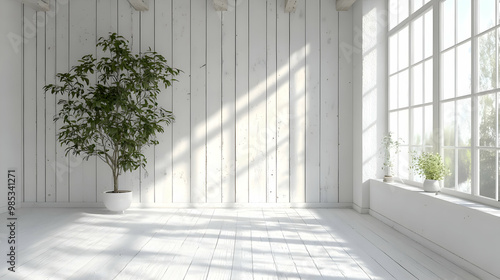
[[431, 167], [109, 109], [390, 148]]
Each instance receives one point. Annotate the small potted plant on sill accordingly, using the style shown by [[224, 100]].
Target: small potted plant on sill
[[109, 109], [431, 167], [390, 148]]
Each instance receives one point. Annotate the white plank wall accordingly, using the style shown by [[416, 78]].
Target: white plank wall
[[163, 151], [62, 65], [228, 105], [198, 107], [297, 103], [256, 107], [283, 105], [242, 119], [107, 20], [50, 109], [213, 104], [146, 42], [182, 102]]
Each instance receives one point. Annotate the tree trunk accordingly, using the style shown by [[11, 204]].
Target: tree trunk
[[115, 181]]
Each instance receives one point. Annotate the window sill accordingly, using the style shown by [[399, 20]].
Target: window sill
[[447, 224], [484, 205]]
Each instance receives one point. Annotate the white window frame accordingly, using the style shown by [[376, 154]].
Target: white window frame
[[437, 102]]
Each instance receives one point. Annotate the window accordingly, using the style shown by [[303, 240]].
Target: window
[[411, 79], [456, 92], [457, 76]]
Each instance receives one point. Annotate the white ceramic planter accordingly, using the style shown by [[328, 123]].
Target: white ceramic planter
[[388, 179], [117, 202], [432, 185]]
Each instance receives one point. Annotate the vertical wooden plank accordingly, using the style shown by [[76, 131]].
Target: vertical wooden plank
[[228, 106], [346, 139], [82, 42], [242, 102], [283, 100], [257, 101], [181, 102], [198, 104], [29, 102], [128, 25], [107, 20], [313, 98], [271, 101], [214, 97], [40, 107], [135, 45], [329, 102], [50, 104], [147, 41], [163, 152], [297, 103], [62, 48]]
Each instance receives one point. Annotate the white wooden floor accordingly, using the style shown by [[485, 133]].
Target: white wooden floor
[[169, 244]]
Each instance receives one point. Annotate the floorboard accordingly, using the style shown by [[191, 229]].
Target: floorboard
[[241, 243]]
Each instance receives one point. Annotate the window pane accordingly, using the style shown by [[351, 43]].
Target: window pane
[[393, 54], [464, 122], [429, 125], [464, 69], [417, 84], [417, 177], [463, 22], [403, 160], [393, 122], [498, 56], [487, 173], [403, 125], [428, 33], [498, 119], [417, 127], [448, 76], [403, 94], [393, 92], [417, 39], [487, 61], [429, 87], [403, 48], [416, 4], [404, 10], [464, 174], [487, 120], [486, 14], [449, 123], [449, 161], [393, 13], [448, 24]]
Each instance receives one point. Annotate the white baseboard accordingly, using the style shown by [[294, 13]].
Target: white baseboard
[[360, 210], [190, 205]]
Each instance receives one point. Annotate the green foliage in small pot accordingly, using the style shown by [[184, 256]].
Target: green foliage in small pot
[[110, 109], [429, 165]]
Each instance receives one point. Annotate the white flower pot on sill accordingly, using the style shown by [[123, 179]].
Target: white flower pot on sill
[[432, 185], [117, 202], [388, 179]]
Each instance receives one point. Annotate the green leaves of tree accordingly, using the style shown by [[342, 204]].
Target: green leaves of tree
[[118, 114]]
